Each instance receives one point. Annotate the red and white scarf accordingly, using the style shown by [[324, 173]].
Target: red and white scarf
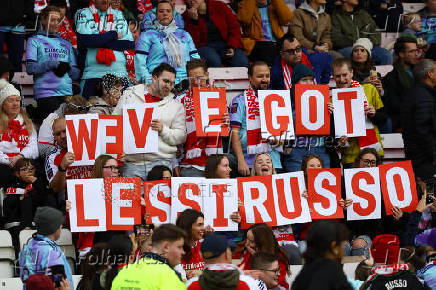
[[387, 270], [370, 139], [104, 55], [66, 32], [144, 6], [197, 149], [287, 70], [18, 190], [255, 145], [16, 135]]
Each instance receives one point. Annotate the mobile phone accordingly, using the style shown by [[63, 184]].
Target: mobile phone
[[429, 188], [373, 72], [57, 274]]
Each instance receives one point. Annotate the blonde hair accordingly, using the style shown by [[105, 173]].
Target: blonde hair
[[253, 169], [4, 121], [409, 18]]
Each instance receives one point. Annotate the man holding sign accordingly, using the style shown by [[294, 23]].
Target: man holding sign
[[373, 109], [170, 123], [245, 121]]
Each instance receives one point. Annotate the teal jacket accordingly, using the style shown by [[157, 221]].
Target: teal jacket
[[90, 40]]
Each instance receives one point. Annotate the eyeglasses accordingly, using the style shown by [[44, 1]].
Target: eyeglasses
[[27, 169], [113, 168], [275, 271], [80, 109], [293, 51], [369, 162]]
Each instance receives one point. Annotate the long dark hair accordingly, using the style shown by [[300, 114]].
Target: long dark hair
[[212, 164], [156, 173], [362, 67], [120, 249], [267, 243], [185, 221], [320, 237], [95, 261]]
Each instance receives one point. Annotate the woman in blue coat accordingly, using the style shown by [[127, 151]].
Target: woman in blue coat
[[165, 42]]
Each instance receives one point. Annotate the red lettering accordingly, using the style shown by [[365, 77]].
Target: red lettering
[[81, 221], [295, 190], [83, 136], [347, 97], [283, 121], [219, 190], [140, 134], [363, 194]]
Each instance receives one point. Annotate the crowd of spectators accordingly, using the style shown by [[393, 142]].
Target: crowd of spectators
[[98, 56]]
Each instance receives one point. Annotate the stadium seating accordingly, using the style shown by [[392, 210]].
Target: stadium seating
[[393, 146], [24, 237], [6, 247], [66, 244], [11, 284], [412, 7], [234, 79]]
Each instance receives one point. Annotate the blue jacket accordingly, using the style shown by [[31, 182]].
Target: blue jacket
[[90, 40], [150, 16], [149, 53], [43, 53], [39, 254]]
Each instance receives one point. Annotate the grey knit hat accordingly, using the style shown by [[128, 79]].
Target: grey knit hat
[[48, 220]]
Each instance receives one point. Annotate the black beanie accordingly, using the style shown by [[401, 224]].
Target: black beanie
[[300, 71], [48, 220]]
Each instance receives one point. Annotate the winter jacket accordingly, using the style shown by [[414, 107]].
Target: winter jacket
[[45, 135], [99, 106], [150, 53], [222, 17], [350, 153], [90, 40], [311, 27], [251, 24], [347, 27], [428, 31], [171, 113], [8, 148], [221, 276], [395, 84], [17, 13], [150, 16], [418, 117], [43, 54], [428, 274], [321, 273], [39, 254], [20, 212], [151, 272]]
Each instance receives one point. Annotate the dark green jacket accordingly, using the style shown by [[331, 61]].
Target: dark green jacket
[[348, 27]]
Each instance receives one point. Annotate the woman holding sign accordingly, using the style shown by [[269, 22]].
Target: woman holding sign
[[17, 134], [165, 43]]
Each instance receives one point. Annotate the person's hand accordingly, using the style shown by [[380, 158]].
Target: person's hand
[[255, 274], [28, 178], [330, 107], [345, 203], [64, 285], [120, 35], [193, 13], [230, 52], [236, 217], [304, 194], [240, 203], [397, 213], [193, 273], [226, 120], [343, 141], [369, 111], [376, 82], [140, 16], [122, 158], [156, 125], [326, 47], [14, 159], [422, 204], [243, 168], [67, 205], [67, 160], [251, 250], [208, 230]]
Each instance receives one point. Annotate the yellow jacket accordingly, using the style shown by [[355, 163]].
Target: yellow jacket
[[249, 18]]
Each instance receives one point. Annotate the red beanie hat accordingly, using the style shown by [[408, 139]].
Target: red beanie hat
[[385, 249]]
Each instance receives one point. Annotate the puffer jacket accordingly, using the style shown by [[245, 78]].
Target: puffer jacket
[[311, 27], [170, 111]]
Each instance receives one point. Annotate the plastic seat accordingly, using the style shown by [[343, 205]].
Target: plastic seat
[[6, 268], [25, 236], [7, 250], [11, 284]]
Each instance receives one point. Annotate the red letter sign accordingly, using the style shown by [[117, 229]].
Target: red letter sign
[[157, 195], [256, 194], [110, 129], [324, 193], [138, 136], [398, 186], [311, 113], [210, 105], [185, 193], [348, 114]]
